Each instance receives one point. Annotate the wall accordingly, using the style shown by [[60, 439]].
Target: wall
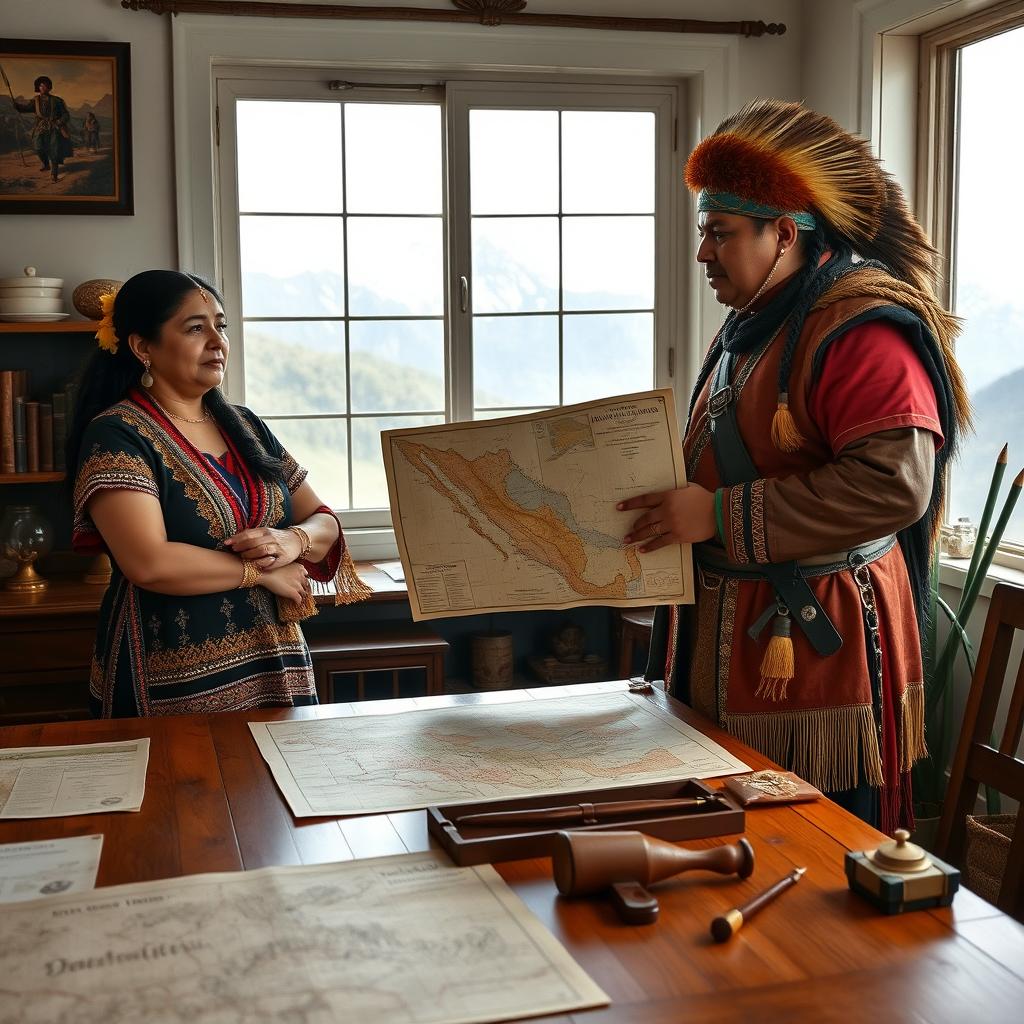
[[80, 247]]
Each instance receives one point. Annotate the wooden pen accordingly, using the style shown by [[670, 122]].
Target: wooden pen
[[725, 927]]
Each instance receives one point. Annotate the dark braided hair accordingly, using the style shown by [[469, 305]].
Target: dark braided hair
[[143, 305], [814, 282]]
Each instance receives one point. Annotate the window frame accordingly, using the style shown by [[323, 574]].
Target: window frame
[[937, 145], [457, 93]]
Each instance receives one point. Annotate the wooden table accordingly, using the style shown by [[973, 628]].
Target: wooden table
[[819, 953]]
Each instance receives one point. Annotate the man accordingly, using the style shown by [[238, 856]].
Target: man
[[51, 131], [819, 431]]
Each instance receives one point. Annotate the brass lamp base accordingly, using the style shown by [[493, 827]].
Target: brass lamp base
[[26, 580]]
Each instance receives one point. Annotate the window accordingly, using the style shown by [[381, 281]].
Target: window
[[978, 70], [415, 254]]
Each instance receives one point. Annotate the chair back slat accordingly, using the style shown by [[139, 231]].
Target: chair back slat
[[975, 762]]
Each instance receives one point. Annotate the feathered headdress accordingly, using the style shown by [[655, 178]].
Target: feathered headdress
[[777, 157]]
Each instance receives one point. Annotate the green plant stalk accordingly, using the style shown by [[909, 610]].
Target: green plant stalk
[[971, 593], [986, 518]]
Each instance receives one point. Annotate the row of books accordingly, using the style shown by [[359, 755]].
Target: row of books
[[32, 433]]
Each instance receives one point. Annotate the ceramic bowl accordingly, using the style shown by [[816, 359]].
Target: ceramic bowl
[[30, 280], [32, 292], [51, 305]]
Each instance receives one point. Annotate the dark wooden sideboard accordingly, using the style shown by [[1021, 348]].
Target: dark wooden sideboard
[[46, 643]]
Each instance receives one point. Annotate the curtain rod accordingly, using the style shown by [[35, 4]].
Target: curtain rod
[[483, 12]]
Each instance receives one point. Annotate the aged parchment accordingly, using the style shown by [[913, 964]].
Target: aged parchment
[[519, 513], [396, 939], [367, 763], [48, 867], [85, 778]]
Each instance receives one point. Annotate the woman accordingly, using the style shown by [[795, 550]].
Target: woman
[[211, 526]]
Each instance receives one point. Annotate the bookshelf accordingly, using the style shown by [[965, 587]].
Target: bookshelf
[[52, 327], [31, 478]]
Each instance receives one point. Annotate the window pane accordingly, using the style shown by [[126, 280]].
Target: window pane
[[608, 262], [289, 157], [988, 238], [607, 161], [607, 355], [369, 485], [395, 266], [513, 161], [397, 365], [292, 266], [322, 448], [295, 368], [393, 158], [515, 264], [515, 361]]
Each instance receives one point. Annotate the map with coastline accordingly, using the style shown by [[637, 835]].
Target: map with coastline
[[519, 513]]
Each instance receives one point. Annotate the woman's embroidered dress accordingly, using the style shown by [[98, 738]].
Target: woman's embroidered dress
[[163, 654]]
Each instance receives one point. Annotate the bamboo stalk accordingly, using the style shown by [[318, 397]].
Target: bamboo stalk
[[986, 518]]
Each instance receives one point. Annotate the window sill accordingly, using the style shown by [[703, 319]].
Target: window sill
[[369, 543], [953, 572]]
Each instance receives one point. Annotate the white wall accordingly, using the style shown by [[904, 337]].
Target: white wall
[[84, 246]]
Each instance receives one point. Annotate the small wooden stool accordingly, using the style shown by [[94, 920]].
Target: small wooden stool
[[360, 650], [634, 626]]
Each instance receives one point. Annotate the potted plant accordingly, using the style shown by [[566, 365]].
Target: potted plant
[[940, 659]]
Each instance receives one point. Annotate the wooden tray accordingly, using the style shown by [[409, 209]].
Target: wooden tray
[[474, 844]]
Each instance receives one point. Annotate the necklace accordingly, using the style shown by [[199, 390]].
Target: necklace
[[184, 419]]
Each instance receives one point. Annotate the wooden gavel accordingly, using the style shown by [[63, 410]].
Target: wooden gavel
[[625, 862]]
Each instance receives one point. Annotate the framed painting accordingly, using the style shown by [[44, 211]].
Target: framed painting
[[65, 127]]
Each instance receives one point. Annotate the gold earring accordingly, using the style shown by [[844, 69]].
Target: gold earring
[[147, 377]]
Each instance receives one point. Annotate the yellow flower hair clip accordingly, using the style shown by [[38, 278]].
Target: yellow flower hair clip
[[106, 336]]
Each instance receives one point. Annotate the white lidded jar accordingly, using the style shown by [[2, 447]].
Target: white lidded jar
[[29, 297]]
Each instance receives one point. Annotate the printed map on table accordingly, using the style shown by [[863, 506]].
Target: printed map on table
[[396, 940], [544, 742], [519, 513]]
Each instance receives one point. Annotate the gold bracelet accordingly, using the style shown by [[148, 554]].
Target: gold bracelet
[[307, 544], [251, 574]]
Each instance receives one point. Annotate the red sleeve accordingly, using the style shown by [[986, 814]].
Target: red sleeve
[[324, 570], [872, 380]]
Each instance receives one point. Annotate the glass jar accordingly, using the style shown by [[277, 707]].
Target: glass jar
[[25, 537], [961, 538]]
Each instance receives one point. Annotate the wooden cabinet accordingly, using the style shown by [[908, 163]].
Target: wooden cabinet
[[46, 643]]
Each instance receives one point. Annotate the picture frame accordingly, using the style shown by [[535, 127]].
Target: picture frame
[[65, 127]]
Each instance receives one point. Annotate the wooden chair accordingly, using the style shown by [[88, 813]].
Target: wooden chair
[[359, 651], [633, 627], [977, 763]]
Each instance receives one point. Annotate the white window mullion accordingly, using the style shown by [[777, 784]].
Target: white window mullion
[[460, 283]]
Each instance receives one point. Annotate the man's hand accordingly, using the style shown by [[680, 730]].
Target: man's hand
[[685, 515]]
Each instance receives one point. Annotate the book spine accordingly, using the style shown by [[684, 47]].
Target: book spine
[[20, 451], [6, 421], [60, 430], [32, 435], [21, 384], [46, 437]]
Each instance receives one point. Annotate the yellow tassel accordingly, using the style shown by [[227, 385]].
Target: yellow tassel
[[778, 665], [296, 611], [785, 435], [348, 587]]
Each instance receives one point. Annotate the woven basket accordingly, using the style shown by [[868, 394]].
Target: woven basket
[[988, 847]]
